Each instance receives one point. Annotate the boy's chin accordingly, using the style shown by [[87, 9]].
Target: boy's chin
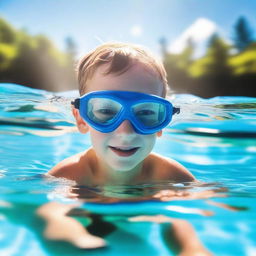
[[123, 167], [123, 170]]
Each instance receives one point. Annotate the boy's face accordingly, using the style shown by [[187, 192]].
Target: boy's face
[[123, 149]]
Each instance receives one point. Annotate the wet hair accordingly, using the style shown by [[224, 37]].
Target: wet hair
[[121, 57]]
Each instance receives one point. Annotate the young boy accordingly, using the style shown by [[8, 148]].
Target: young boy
[[122, 106]]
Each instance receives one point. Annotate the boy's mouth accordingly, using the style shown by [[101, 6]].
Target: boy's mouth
[[124, 151]]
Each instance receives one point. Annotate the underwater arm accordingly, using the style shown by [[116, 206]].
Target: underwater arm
[[179, 230], [60, 226]]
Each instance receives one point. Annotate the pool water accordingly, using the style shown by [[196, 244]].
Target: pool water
[[215, 139]]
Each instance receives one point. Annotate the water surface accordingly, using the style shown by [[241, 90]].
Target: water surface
[[215, 139]]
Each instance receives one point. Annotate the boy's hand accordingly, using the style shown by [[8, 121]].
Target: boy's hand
[[169, 195]]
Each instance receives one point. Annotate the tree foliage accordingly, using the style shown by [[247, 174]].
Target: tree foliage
[[243, 35], [218, 55], [34, 61], [220, 71]]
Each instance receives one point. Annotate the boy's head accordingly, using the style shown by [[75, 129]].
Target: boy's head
[[128, 69], [118, 58]]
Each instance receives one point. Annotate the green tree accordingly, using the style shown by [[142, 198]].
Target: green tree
[[177, 65], [218, 54], [163, 46], [243, 35], [7, 45], [218, 72], [70, 48], [7, 33], [186, 56]]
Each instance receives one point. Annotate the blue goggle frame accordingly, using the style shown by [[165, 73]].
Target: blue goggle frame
[[127, 99]]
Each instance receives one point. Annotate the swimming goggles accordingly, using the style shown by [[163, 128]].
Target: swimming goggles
[[106, 110]]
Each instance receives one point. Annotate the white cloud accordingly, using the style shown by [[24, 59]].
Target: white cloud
[[198, 32], [136, 30]]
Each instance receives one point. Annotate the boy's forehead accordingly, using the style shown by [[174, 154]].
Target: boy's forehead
[[138, 78]]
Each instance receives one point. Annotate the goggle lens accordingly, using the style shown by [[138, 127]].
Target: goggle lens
[[149, 114], [103, 111]]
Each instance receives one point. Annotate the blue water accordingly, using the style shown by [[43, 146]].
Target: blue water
[[215, 139]]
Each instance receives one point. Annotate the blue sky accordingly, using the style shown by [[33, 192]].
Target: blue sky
[[138, 21]]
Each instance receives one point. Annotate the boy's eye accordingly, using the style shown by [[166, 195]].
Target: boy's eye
[[103, 114], [145, 112], [105, 111]]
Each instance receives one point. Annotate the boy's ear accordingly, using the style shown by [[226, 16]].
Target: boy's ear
[[80, 123], [159, 134]]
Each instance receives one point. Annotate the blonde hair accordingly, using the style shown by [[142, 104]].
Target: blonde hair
[[120, 56]]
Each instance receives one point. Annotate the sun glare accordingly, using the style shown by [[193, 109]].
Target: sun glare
[[136, 30]]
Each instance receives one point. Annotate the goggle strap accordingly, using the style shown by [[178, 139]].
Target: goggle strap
[[76, 103], [176, 110]]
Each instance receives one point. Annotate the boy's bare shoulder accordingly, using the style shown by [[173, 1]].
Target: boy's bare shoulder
[[165, 168], [73, 168]]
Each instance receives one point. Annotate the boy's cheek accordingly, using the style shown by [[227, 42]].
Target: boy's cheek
[[97, 138], [149, 142]]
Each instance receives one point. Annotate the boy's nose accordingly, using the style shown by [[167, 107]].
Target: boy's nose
[[125, 127]]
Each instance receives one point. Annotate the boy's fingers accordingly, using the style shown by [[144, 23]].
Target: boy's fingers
[[89, 242], [156, 219]]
